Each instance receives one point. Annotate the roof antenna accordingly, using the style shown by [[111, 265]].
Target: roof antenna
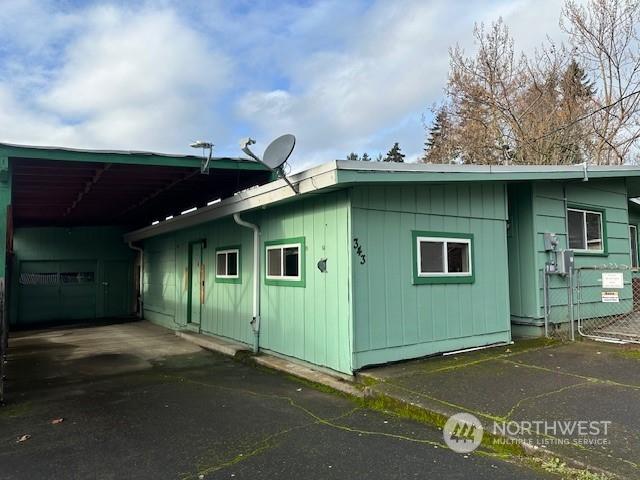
[[275, 155], [206, 160]]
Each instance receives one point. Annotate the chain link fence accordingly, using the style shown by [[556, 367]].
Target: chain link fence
[[4, 340], [608, 303]]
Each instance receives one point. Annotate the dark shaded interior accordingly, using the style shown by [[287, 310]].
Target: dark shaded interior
[[71, 193]]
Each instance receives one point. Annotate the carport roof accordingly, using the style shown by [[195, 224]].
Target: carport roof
[[343, 173], [65, 186]]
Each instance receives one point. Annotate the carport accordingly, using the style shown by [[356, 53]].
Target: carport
[[63, 212]]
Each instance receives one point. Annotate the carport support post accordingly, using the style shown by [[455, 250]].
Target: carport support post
[[5, 201]]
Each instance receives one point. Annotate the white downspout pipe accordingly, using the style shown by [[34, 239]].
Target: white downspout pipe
[[140, 280], [255, 321]]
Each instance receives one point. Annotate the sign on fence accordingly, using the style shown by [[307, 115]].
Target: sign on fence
[[610, 297], [612, 280]]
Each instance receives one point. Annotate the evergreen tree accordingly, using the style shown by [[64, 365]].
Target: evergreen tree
[[436, 147], [353, 156], [395, 155], [365, 157]]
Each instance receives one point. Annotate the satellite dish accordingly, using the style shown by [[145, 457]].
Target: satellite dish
[[275, 155], [279, 151]]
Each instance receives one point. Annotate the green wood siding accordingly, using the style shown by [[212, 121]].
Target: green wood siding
[[548, 205], [521, 251], [311, 322], [396, 319], [57, 250]]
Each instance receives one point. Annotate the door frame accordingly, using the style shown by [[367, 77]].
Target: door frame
[[203, 243]]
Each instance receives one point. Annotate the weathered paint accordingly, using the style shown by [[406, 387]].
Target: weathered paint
[[311, 323], [56, 250], [396, 319], [634, 219], [548, 202]]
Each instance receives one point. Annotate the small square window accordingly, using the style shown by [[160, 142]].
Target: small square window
[[284, 262], [228, 265], [442, 258]]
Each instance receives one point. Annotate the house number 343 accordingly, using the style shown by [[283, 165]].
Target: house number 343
[[358, 248]]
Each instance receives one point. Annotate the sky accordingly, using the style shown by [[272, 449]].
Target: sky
[[343, 76]]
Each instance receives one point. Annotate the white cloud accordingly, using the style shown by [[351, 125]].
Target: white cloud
[[392, 68], [137, 79]]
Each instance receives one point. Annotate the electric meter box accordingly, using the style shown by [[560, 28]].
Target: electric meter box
[[565, 261]]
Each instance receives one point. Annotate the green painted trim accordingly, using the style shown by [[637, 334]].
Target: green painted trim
[[637, 245], [282, 282], [203, 241], [605, 239], [229, 280], [139, 158], [418, 280]]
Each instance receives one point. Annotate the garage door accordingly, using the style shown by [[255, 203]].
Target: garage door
[[56, 291]]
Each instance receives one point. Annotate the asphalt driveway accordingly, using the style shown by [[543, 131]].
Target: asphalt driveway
[[138, 402]]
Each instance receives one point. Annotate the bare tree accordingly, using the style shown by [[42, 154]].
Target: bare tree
[[605, 37]]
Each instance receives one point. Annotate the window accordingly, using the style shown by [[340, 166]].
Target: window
[[228, 265], [585, 230], [442, 257], [284, 262], [76, 277], [633, 239]]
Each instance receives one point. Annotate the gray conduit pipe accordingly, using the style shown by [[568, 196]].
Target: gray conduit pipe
[[255, 321]]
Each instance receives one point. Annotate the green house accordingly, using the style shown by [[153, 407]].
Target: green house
[[375, 263], [359, 264]]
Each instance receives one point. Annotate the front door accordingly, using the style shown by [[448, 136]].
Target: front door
[[196, 284]]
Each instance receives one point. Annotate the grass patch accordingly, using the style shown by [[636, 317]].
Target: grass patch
[[632, 353], [16, 410], [558, 467]]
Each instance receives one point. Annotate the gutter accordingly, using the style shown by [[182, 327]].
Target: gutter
[[255, 321], [140, 281]]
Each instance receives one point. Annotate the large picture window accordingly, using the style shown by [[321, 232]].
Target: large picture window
[[228, 265], [442, 257], [633, 239], [284, 262], [586, 233]]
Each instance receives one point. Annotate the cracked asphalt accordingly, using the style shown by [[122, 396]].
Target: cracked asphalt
[[138, 402]]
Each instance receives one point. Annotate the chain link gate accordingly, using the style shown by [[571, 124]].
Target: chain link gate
[[608, 303]]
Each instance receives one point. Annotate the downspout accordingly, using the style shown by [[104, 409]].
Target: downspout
[[255, 321], [140, 280]]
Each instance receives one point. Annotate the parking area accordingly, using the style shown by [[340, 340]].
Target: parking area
[[138, 402]]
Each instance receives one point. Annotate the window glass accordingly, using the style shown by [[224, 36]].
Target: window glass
[[577, 239], [77, 277], [594, 229], [633, 238], [431, 257], [274, 261], [221, 264], [232, 263], [291, 262], [457, 257]]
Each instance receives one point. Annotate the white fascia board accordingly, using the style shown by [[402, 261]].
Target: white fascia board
[[308, 181]]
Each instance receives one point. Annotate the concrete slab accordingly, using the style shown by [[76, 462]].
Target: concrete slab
[[533, 381]]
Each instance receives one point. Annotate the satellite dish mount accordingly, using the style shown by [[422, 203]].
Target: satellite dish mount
[[206, 159], [275, 155]]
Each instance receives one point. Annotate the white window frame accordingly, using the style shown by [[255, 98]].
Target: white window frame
[[282, 247], [631, 238], [584, 227], [226, 264], [444, 241]]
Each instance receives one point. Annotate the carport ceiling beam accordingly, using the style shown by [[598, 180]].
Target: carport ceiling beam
[[87, 187]]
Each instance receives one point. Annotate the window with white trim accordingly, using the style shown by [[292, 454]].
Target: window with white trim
[[228, 263], [633, 240], [283, 262], [439, 257], [585, 230]]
